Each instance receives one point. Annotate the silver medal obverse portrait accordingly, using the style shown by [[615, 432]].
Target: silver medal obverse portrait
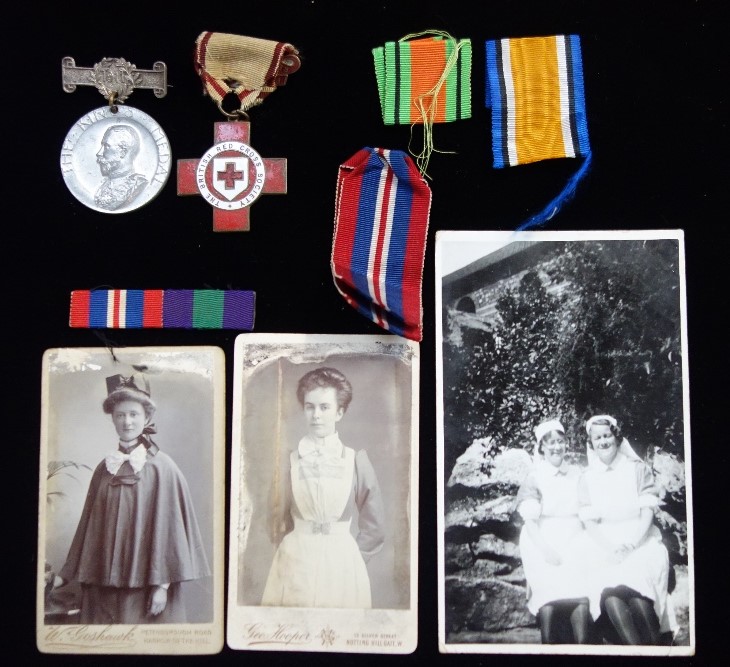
[[115, 159]]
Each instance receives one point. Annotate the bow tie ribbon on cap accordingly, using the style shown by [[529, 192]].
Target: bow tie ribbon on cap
[[137, 458]]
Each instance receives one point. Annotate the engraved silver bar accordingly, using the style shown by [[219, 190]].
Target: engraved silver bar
[[155, 79]]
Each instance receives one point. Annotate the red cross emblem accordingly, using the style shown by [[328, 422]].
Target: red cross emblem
[[231, 176]]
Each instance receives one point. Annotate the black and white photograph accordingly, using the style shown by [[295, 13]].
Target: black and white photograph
[[131, 525], [565, 513], [324, 520]]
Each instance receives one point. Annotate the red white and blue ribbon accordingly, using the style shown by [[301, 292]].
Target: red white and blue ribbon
[[381, 220], [162, 309]]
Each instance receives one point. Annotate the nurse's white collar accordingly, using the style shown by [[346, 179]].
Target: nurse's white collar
[[330, 445]]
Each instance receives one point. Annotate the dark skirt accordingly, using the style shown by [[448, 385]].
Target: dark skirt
[[104, 605]]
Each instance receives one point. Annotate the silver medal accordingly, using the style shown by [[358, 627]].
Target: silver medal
[[115, 158]]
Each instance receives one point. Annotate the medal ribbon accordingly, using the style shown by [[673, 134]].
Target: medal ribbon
[[381, 220], [162, 309], [534, 87], [249, 67], [424, 81]]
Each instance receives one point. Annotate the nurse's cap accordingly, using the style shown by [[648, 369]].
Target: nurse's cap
[[546, 427], [600, 418], [122, 388], [134, 383]]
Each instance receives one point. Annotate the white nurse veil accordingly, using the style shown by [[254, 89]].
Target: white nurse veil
[[540, 430], [625, 447]]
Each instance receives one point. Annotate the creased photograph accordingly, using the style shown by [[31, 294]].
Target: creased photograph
[[565, 513], [131, 501], [323, 548]]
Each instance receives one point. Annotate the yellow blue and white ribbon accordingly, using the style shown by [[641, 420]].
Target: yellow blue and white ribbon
[[535, 89]]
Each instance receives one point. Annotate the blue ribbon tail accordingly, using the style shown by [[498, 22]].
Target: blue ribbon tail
[[552, 208]]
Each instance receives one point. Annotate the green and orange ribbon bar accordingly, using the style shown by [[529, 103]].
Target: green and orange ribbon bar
[[424, 78], [431, 74]]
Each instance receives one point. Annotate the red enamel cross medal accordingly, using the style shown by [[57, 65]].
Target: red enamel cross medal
[[231, 175]]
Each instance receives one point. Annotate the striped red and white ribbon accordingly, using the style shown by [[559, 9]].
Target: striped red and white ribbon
[[248, 67], [381, 222]]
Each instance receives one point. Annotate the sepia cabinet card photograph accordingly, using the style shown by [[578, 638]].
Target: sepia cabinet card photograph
[[563, 433], [131, 528], [324, 494]]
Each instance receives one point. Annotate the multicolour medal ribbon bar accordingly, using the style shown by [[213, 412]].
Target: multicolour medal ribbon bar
[[424, 80], [535, 90], [162, 309], [381, 221]]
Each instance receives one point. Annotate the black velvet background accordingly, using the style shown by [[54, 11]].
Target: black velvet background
[[656, 95]]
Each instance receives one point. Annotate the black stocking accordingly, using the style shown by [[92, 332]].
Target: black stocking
[[620, 614], [565, 622], [632, 616], [581, 622], [642, 609], [546, 617]]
